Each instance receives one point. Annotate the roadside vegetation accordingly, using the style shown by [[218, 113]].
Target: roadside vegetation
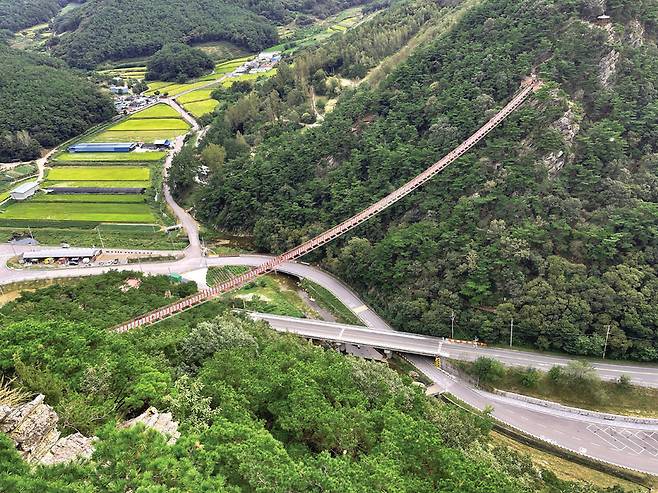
[[262, 408], [576, 384]]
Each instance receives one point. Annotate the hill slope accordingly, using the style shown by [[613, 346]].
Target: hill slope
[[19, 14], [114, 29], [552, 222], [43, 103]]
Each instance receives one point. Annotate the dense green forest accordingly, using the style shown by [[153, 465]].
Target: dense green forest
[[43, 104], [178, 62], [19, 14], [551, 222], [114, 29], [258, 411]]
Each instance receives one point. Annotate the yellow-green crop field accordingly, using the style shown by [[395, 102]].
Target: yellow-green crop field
[[80, 211], [201, 108], [99, 173], [198, 95], [150, 124], [160, 110], [116, 157], [136, 136]]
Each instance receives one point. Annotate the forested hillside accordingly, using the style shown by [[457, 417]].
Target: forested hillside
[[114, 29], [552, 222], [257, 411], [43, 103], [19, 14]]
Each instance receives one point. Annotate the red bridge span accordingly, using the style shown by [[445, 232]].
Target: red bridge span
[[529, 86]]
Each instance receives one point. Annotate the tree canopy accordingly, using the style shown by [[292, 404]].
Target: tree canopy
[[43, 104], [178, 62]]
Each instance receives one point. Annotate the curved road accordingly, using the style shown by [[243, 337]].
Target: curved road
[[632, 446]]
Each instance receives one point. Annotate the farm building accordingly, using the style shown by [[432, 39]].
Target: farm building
[[25, 191], [162, 144], [103, 147], [85, 255]]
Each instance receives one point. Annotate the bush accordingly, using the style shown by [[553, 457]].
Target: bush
[[556, 374], [624, 382], [488, 370], [530, 377]]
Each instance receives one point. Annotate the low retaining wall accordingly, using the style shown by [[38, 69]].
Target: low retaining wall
[[576, 410]]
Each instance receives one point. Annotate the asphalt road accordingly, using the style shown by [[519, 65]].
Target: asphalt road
[[384, 338]]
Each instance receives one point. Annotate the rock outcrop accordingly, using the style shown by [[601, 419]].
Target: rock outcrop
[[33, 428], [160, 422]]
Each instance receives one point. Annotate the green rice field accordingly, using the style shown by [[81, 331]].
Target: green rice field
[[198, 95], [175, 89], [96, 184], [201, 108], [158, 111], [89, 198], [86, 157], [232, 80], [136, 136], [79, 211], [99, 173], [150, 124]]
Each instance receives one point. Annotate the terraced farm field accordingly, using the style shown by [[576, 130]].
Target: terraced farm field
[[198, 95], [99, 173], [136, 136], [88, 157], [141, 124], [160, 110], [201, 108], [96, 184], [90, 198], [79, 211]]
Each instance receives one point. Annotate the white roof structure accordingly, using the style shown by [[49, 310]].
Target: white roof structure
[[25, 187], [62, 253]]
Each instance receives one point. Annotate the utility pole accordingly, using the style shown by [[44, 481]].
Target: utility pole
[[452, 324], [511, 331], [607, 336]]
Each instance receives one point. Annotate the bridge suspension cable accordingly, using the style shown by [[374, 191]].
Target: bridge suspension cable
[[529, 86]]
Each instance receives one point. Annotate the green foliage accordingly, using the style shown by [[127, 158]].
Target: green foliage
[[563, 247], [489, 371], [43, 103], [19, 14], [266, 412], [178, 62]]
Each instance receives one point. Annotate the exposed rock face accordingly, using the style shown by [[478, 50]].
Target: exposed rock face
[[608, 68], [33, 428], [568, 126], [161, 422], [635, 34]]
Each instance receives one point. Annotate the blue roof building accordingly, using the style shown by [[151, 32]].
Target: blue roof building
[[103, 147]]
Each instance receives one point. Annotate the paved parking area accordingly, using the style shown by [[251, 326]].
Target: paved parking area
[[637, 442]]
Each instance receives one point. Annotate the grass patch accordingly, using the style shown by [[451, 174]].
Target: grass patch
[[562, 468], [201, 108], [150, 124], [99, 173], [88, 157], [160, 110], [78, 211], [274, 293], [587, 392], [328, 301], [89, 198]]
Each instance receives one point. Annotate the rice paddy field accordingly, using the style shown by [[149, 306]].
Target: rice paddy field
[[158, 111], [99, 173], [79, 212], [111, 157], [96, 184], [89, 198], [201, 108]]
